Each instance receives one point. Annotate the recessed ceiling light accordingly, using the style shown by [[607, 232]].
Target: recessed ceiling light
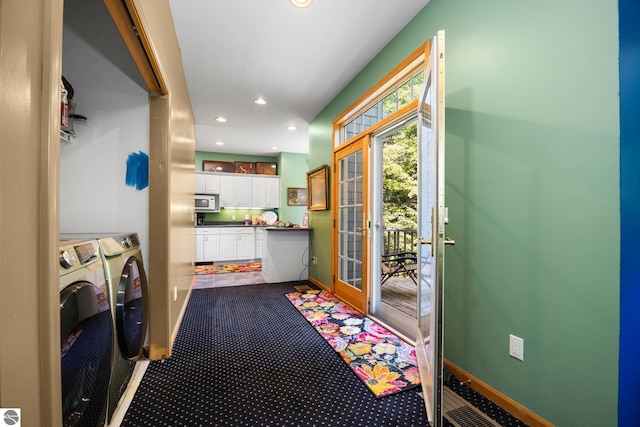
[[274, 148], [260, 101], [220, 119], [301, 3], [291, 127], [219, 143]]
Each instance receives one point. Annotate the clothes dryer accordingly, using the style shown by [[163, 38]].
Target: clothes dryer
[[122, 259], [86, 334]]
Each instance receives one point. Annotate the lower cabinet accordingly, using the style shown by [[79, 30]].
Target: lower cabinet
[[285, 254], [207, 244], [225, 244], [259, 232]]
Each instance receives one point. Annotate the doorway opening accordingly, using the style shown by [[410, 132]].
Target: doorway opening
[[395, 218]]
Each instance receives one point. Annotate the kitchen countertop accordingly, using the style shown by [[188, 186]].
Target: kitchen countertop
[[287, 228], [227, 224], [241, 224]]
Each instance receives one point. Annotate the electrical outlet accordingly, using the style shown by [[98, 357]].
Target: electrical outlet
[[314, 260], [516, 347], [175, 293]]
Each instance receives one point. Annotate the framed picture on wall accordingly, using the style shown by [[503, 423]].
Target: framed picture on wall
[[318, 189], [267, 168], [296, 196], [244, 167], [215, 166]]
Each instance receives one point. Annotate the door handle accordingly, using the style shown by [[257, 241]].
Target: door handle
[[447, 241]]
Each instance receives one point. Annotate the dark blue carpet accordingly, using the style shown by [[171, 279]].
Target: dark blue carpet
[[244, 356]]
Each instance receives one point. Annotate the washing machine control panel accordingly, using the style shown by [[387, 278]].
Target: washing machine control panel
[[126, 242], [74, 255], [66, 259]]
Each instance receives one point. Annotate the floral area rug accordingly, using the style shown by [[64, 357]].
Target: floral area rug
[[384, 362], [228, 268]]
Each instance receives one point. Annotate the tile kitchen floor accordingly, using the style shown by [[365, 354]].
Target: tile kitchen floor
[[228, 279]]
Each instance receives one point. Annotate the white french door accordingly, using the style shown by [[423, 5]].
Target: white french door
[[431, 224]]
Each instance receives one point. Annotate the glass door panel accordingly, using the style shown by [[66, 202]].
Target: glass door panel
[[394, 236], [351, 228], [429, 341]]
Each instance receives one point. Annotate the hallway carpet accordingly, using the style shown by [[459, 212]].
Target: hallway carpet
[[245, 357]]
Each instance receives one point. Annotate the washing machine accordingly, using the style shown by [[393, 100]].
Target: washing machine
[[121, 256], [86, 334]]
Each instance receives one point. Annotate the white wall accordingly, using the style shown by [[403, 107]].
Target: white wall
[[93, 194]]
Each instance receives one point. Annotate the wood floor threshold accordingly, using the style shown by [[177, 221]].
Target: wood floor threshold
[[509, 405], [319, 284]]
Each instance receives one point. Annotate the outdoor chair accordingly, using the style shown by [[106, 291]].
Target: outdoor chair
[[399, 264]]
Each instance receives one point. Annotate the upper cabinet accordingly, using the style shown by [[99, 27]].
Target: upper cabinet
[[272, 192], [207, 183], [240, 190]]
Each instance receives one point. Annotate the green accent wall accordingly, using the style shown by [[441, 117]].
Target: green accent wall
[[532, 186], [296, 167]]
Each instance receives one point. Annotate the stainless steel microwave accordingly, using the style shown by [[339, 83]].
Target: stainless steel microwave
[[207, 203]]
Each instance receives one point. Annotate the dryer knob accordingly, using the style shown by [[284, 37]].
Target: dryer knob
[[126, 243], [65, 259]]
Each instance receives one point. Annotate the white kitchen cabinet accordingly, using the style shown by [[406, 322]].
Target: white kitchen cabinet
[[237, 243], [228, 247], [259, 233], [199, 183], [236, 191], [225, 244], [285, 254], [244, 191], [211, 247], [207, 183], [249, 191], [199, 255], [272, 192], [266, 192], [258, 190], [228, 191], [207, 245]]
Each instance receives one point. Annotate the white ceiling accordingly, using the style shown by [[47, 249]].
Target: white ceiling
[[234, 51]]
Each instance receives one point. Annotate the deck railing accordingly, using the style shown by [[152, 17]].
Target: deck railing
[[396, 240]]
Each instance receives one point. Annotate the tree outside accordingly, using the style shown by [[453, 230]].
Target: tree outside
[[400, 181]]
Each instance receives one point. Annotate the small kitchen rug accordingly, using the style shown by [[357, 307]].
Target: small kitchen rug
[[228, 268], [386, 364]]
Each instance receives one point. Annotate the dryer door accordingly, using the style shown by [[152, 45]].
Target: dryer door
[[86, 345], [131, 321]]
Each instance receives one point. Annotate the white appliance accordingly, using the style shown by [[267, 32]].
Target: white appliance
[[86, 334], [121, 256], [207, 203]]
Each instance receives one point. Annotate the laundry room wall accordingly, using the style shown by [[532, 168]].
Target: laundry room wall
[[93, 194]]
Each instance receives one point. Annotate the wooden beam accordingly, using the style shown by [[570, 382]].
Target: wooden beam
[[127, 21]]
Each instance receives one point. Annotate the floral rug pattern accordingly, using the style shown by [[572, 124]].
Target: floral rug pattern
[[228, 268], [384, 362]]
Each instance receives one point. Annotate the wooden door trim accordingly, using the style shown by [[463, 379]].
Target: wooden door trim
[[356, 298]]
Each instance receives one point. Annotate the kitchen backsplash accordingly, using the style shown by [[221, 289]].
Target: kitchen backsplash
[[235, 214]]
